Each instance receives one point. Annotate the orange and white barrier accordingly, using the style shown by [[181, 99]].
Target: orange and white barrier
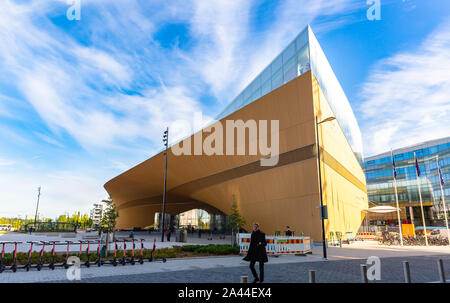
[[278, 245], [365, 236]]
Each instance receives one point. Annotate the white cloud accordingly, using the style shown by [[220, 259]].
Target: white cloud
[[6, 162], [232, 53], [223, 26], [62, 191], [106, 83], [48, 139], [406, 99], [95, 61]]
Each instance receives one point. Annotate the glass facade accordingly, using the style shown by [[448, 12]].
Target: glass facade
[[335, 96], [292, 62], [301, 55], [380, 185]]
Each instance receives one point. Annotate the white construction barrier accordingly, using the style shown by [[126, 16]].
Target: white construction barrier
[[365, 236], [278, 245]]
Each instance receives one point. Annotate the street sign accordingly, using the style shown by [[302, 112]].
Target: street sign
[[324, 212]]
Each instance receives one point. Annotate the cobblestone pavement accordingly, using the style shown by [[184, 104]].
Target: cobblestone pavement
[[342, 266], [423, 269]]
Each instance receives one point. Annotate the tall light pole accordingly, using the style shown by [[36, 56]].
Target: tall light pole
[[394, 176], [420, 199], [166, 143], [322, 210], [37, 207]]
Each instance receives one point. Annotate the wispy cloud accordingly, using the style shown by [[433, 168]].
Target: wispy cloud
[[61, 191], [106, 86], [48, 139], [5, 162], [406, 97]]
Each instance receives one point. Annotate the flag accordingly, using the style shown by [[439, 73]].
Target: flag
[[417, 167], [440, 177], [393, 168]]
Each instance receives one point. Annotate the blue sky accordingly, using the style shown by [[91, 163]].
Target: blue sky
[[81, 101]]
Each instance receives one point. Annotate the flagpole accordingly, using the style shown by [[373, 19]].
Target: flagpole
[[443, 197], [396, 199], [420, 198]]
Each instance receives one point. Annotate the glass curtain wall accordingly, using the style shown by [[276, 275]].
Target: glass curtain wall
[[380, 186]]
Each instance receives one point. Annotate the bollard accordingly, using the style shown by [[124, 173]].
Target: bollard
[[441, 270], [364, 274], [312, 276], [244, 279], [406, 272]]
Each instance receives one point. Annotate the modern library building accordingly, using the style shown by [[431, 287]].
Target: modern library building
[[300, 91]]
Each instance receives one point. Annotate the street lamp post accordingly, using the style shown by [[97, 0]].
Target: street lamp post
[[37, 207], [322, 212], [166, 143]]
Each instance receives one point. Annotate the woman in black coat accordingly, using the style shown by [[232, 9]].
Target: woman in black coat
[[257, 252]]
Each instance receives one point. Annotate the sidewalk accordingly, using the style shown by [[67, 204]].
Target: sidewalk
[[172, 265], [365, 249], [353, 251]]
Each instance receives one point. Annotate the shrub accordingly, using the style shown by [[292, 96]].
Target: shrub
[[215, 249], [176, 251]]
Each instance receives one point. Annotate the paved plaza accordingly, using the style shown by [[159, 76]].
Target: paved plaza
[[423, 270], [343, 265]]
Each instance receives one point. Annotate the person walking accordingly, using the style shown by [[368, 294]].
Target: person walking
[[257, 252]]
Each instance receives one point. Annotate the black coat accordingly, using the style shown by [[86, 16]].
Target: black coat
[[257, 251]]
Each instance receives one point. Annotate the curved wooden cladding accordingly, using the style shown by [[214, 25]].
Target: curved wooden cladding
[[341, 170], [286, 158], [275, 196], [182, 192], [291, 104]]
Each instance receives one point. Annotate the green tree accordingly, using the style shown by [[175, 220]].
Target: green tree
[[85, 221], [236, 222], [62, 218], [109, 220]]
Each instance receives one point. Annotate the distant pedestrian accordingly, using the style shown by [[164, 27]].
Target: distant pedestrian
[[288, 232], [199, 232], [257, 252], [132, 234], [30, 229]]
